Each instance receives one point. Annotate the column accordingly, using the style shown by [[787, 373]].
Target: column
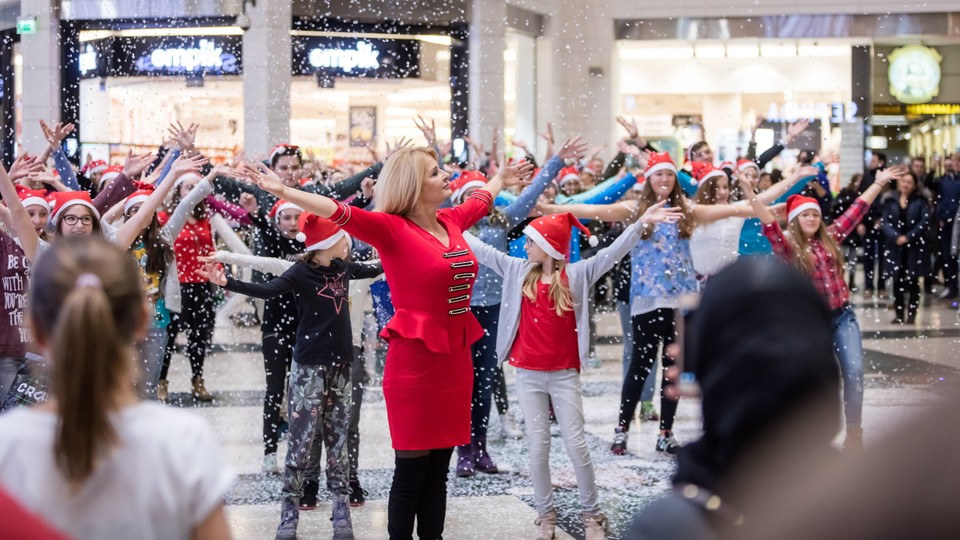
[[487, 43], [41, 71], [266, 76]]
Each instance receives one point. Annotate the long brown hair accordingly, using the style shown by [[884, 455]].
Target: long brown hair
[[676, 199], [90, 325], [801, 247], [159, 252], [559, 291], [707, 191]]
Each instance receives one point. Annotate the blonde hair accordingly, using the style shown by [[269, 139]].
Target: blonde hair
[[559, 290], [801, 247], [398, 188], [91, 329]]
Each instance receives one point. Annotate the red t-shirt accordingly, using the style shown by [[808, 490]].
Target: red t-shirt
[[195, 240], [545, 341]]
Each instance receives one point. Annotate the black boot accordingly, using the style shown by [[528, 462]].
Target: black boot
[[404, 499]]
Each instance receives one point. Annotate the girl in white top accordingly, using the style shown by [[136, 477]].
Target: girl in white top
[[94, 461]]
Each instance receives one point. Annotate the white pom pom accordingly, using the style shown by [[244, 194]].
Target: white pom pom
[[593, 241], [301, 237]]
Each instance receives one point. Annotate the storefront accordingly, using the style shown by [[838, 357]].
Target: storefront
[[11, 67], [348, 89]]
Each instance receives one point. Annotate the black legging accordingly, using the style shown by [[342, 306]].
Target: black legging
[[650, 330], [197, 318], [419, 491], [906, 293], [277, 355]]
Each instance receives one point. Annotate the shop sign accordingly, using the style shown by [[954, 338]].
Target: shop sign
[[920, 109], [791, 111], [914, 74], [161, 56], [26, 25], [351, 57]]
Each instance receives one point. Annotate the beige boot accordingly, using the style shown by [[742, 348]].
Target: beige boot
[[546, 525], [200, 391], [596, 525], [163, 391]]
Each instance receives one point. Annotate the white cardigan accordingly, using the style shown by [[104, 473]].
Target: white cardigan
[[581, 276]]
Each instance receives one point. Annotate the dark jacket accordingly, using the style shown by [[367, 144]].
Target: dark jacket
[[912, 222]]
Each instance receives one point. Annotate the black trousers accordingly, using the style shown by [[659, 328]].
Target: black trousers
[[419, 493], [906, 293], [872, 261], [277, 355], [196, 318], [650, 331]]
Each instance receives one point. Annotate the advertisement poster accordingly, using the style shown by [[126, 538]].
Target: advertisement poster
[[363, 125]]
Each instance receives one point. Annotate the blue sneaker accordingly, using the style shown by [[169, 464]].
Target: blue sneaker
[[342, 526]]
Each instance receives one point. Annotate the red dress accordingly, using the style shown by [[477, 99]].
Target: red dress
[[428, 376]]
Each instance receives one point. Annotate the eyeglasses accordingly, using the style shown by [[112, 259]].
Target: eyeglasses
[[72, 220]]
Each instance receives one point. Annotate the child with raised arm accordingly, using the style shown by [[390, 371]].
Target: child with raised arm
[[814, 249], [544, 308], [320, 390]]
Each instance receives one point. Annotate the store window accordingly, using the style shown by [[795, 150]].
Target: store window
[[520, 88], [354, 90]]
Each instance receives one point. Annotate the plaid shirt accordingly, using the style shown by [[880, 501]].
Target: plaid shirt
[[826, 278]]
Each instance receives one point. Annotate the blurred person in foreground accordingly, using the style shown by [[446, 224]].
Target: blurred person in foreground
[[760, 346]]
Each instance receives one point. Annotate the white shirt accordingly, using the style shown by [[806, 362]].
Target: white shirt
[[715, 245], [165, 475]]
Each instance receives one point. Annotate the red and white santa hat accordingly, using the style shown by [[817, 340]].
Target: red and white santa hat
[[702, 171], [318, 233], [32, 197], [94, 167], [567, 174], [65, 199], [108, 175], [143, 192], [281, 148], [796, 205], [552, 233], [280, 206], [659, 161], [745, 164], [467, 180]]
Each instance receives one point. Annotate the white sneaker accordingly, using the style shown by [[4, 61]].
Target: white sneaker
[[509, 427], [270, 464]]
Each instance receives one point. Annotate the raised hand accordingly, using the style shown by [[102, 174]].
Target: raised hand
[[222, 170], [249, 203], [429, 132], [517, 174], [403, 142], [266, 179], [366, 187], [628, 149], [372, 150], [136, 164], [795, 129], [56, 134], [892, 173], [184, 164], [25, 166], [630, 126], [213, 273], [807, 170], [658, 214], [520, 144], [573, 148]]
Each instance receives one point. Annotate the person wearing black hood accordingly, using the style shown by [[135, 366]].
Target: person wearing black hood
[[761, 348]]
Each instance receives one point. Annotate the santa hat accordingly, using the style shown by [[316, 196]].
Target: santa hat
[[318, 233], [66, 199], [589, 170], [32, 197], [94, 167], [702, 171], [108, 175], [280, 149], [280, 206], [466, 180], [796, 205], [184, 177], [659, 161], [567, 174], [142, 193], [745, 164], [727, 165], [552, 233]]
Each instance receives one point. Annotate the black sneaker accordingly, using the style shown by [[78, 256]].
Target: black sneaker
[[619, 446], [666, 443], [309, 499], [357, 493]]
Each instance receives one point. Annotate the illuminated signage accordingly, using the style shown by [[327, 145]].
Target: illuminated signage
[[207, 55], [914, 74], [791, 111], [88, 60], [160, 56], [352, 57], [364, 56], [920, 109]]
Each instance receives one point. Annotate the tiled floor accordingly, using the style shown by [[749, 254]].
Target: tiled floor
[[908, 368]]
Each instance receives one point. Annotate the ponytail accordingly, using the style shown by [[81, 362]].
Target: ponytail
[[86, 305], [90, 366]]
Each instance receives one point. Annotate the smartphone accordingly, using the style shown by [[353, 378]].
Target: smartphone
[[459, 150], [686, 355]]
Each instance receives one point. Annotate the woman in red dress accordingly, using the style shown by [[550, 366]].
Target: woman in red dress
[[428, 377]]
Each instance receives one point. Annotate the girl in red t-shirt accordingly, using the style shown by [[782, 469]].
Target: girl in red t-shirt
[[545, 303]]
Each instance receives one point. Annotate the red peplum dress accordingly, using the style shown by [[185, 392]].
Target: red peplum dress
[[428, 376]]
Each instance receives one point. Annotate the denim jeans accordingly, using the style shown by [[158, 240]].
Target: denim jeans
[[848, 344], [8, 373], [626, 327], [151, 355], [485, 369], [536, 390]]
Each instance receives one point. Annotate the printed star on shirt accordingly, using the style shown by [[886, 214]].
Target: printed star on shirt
[[335, 291]]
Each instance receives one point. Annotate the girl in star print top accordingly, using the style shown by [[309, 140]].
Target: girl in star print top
[[320, 390]]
